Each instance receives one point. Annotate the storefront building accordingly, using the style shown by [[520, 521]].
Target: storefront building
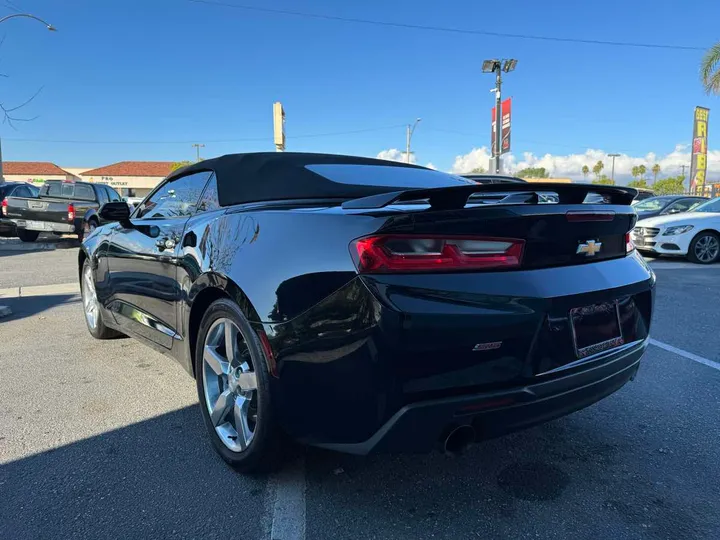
[[130, 178], [33, 172]]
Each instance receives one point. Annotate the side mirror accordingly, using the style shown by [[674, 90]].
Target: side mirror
[[115, 211]]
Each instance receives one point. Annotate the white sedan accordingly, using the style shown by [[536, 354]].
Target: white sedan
[[695, 235]]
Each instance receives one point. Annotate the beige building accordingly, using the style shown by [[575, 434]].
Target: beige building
[[130, 178], [34, 172]]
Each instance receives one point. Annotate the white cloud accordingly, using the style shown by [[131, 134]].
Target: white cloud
[[477, 157], [430, 165], [571, 165], [393, 154]]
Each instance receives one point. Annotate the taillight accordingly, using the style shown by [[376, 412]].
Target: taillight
[[629, 245], [4, 207], [405, 253], [71, 212]]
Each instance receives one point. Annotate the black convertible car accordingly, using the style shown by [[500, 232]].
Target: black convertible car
[[369, 306]]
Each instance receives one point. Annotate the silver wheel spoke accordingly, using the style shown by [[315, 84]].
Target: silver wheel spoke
[[240, 411], [222, 407], [216, 362], [231, 333]]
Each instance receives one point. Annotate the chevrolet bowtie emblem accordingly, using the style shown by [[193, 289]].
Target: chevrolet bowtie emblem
[[589, 248]]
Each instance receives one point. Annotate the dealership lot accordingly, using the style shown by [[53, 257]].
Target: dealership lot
[[106, 440]]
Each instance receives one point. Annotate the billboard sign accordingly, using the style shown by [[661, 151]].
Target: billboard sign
[[698, 162], [505, 108]]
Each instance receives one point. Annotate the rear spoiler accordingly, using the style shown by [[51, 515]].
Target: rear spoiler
[[457, 196]]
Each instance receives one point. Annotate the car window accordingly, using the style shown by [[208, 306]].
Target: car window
[[84, 192], [174, 199], [651, 205], [114, 195], [209, 200], [34, 190], [53, 189], [683, 205], [22, 191], [102, 195], [709, 206]]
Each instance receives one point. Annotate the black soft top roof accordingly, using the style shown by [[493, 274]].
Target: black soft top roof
[[267, 176]]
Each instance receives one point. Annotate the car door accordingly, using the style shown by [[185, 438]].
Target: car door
[[143, 258]]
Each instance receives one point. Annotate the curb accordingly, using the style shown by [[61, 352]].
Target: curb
[[40, 290], [5, 311]]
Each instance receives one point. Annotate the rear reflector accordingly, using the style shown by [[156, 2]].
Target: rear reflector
[[406, 253]]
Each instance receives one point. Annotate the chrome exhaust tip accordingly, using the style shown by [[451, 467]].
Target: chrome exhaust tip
[[458, 440]]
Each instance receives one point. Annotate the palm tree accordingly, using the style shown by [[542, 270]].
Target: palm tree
[[597, 168], [585, 171], [710, 70], [635, 172], [642, 169], [655, 170]]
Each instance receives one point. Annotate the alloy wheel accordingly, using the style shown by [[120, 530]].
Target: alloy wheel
[[230, 385], [707, 248], [89, 298]]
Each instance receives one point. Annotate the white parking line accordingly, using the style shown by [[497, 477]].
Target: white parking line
[[686, 354], [288, 517]]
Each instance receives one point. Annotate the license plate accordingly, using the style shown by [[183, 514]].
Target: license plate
[[596, 328], [37, 226]]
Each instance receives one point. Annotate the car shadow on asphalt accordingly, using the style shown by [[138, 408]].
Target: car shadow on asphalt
[[30, 306], [158, 478]]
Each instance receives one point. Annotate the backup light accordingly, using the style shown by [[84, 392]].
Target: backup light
[[406, 253]]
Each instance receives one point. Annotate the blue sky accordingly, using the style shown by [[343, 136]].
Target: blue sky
[[174, 70]]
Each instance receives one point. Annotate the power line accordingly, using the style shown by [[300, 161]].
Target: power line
[[448, 29], [217, 141]]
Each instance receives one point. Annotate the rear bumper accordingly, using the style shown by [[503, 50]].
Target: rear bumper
[[44, 226], [7, 227], [420, 427]]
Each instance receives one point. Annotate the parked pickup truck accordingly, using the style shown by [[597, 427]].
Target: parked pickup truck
[[60, 207]]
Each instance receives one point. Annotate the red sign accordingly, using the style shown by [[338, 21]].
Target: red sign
[[506, 106]]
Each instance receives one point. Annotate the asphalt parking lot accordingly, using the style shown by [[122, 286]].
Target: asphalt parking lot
[[105, 440]]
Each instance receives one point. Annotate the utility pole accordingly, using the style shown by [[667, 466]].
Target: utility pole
[[2, 176], [683, 167], [409, 133], [612, 174], [497, 67], [197, 147]]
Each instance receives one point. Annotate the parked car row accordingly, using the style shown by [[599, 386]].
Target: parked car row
[[13, 189]]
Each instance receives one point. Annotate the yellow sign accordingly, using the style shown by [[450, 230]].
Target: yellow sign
[[698, 163]]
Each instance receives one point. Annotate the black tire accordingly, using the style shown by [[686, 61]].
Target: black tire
[[99, 331], [264, 453], [700, 237], [27, 236]]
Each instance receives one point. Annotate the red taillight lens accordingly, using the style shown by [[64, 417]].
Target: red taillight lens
[[71, 212], [629, 245], [4, 207], [405, 253]]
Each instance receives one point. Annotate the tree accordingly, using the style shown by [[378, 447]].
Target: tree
[[641, 184], [179, 165], [603, 180], [533, 172], [655, 170], [597, 169], [673, 185], [478, 170], [642, 169], [710, 70], [585, 171]]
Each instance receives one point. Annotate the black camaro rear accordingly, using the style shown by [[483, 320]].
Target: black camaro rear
[[364, 305]]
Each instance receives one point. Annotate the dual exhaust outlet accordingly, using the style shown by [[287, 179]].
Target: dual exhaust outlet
[[458, 439]]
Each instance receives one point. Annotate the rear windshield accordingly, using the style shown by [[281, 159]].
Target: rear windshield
[[382, 176], [69, 190]]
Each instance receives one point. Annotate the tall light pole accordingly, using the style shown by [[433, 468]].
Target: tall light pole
[[197, 147], [497, 67], [410, 131], [28, 16], [612, 174], [49, 27]]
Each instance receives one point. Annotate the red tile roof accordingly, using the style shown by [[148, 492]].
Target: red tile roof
[[133, 168], [32, 167]]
